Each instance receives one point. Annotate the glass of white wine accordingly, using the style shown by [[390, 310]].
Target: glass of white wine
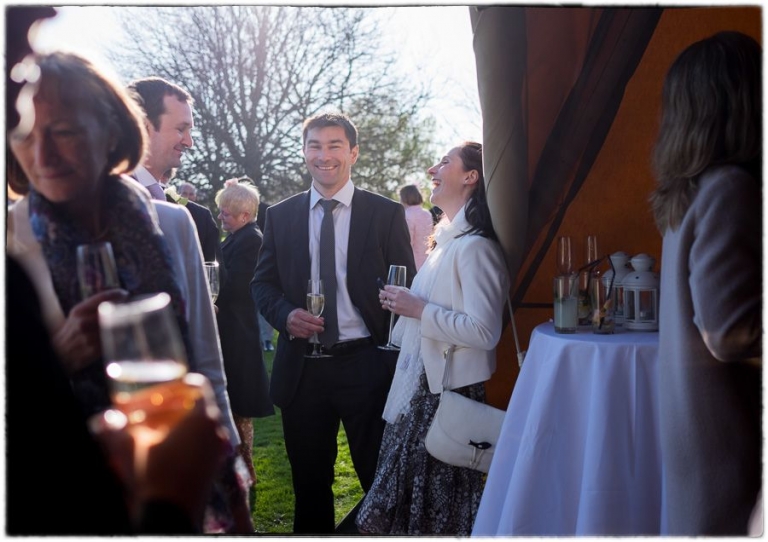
[[212, 274], [396, 277], [146, 368], [315, 306]]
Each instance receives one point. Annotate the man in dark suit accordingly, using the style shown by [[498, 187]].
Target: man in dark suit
[[351, 385], [168, 108]]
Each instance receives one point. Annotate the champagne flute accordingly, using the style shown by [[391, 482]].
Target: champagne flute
[[146, 368], [564, 259], [212, 274], [315, 306], [96, 269], [396, 277]]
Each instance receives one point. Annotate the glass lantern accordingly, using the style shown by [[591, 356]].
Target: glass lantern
[[641, 295], [619, 261]]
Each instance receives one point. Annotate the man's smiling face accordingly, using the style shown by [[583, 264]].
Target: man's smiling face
[[329, 158]]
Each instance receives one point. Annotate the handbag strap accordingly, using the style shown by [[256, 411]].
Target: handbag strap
[[448, 352], [520, 354]]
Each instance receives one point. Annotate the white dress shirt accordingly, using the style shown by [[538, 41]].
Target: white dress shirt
[[148, 181], [351, 324]]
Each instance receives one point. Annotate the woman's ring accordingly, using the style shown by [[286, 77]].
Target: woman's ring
[[389, 302]]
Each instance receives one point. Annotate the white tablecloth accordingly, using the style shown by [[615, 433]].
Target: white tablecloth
[[579, 451]]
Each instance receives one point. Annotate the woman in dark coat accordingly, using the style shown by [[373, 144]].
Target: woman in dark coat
[[247, 382]]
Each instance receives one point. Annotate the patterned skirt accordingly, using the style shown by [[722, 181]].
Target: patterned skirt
[[414, 493]]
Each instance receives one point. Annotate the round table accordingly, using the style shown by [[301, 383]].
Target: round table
[[579, 451]]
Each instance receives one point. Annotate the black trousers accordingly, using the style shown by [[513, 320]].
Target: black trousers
[[350, 388]]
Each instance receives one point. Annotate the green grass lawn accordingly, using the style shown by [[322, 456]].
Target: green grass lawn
[[273, 507]]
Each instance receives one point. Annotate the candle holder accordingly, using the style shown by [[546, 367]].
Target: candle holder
[[641, 295]]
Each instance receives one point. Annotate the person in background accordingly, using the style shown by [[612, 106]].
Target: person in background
[[247, 381], [456, 300], [168, 109], [187, 190], [419, 221], [79, 134], [708, 207], [314, 395]]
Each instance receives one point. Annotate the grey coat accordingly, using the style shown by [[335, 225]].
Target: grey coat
[[710, 340]]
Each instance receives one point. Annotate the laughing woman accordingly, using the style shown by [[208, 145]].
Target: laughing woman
[[455, 299]]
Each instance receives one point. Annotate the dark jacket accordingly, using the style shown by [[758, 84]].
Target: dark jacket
[[378, 238], [247, 381]]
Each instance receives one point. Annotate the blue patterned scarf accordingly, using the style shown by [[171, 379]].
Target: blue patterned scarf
[[142, 256]]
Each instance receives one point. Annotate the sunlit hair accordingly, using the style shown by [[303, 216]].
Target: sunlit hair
[[326, 120], [77, 83], [476, 209], [711, 115], [151, 93], [410, 195], [239, 196]]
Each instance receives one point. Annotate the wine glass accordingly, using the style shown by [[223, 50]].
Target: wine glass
[[564, 259], [212, 274], [146, 367], [396, 277], [96, 269], [315, 306]]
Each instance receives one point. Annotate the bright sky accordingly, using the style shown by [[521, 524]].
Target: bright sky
[[434, 44]]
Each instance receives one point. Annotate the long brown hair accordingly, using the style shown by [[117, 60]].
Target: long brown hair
[[711, 115]]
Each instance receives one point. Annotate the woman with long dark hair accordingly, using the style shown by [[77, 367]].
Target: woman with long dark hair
[[457, 300], [708, 161]]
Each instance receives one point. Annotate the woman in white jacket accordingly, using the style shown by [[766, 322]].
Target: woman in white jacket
[[456, 300]]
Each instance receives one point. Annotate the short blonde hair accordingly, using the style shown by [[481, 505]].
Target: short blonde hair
[[239, 196]]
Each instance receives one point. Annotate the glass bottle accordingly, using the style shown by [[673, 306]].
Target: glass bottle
[[589, 272]]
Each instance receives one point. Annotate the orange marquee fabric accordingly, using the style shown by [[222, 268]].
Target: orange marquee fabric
[[570, 100]]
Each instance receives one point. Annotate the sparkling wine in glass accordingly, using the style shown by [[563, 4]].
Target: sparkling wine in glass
[[96, 269], [396, 277], [212, 274], [315, 306], [146, 367]]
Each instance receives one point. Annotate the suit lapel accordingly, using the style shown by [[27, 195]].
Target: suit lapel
[[359, 224], [299, 233]]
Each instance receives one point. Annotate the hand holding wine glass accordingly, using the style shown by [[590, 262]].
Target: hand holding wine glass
[[396, 277], [146, 367], [315, 306]]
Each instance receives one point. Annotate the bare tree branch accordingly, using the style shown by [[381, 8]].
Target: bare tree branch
[[256, 72]]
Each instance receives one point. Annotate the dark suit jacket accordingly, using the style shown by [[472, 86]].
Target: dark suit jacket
[[247, 381], [378, 238], [261, 216], [207, 230], [208, 234]]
